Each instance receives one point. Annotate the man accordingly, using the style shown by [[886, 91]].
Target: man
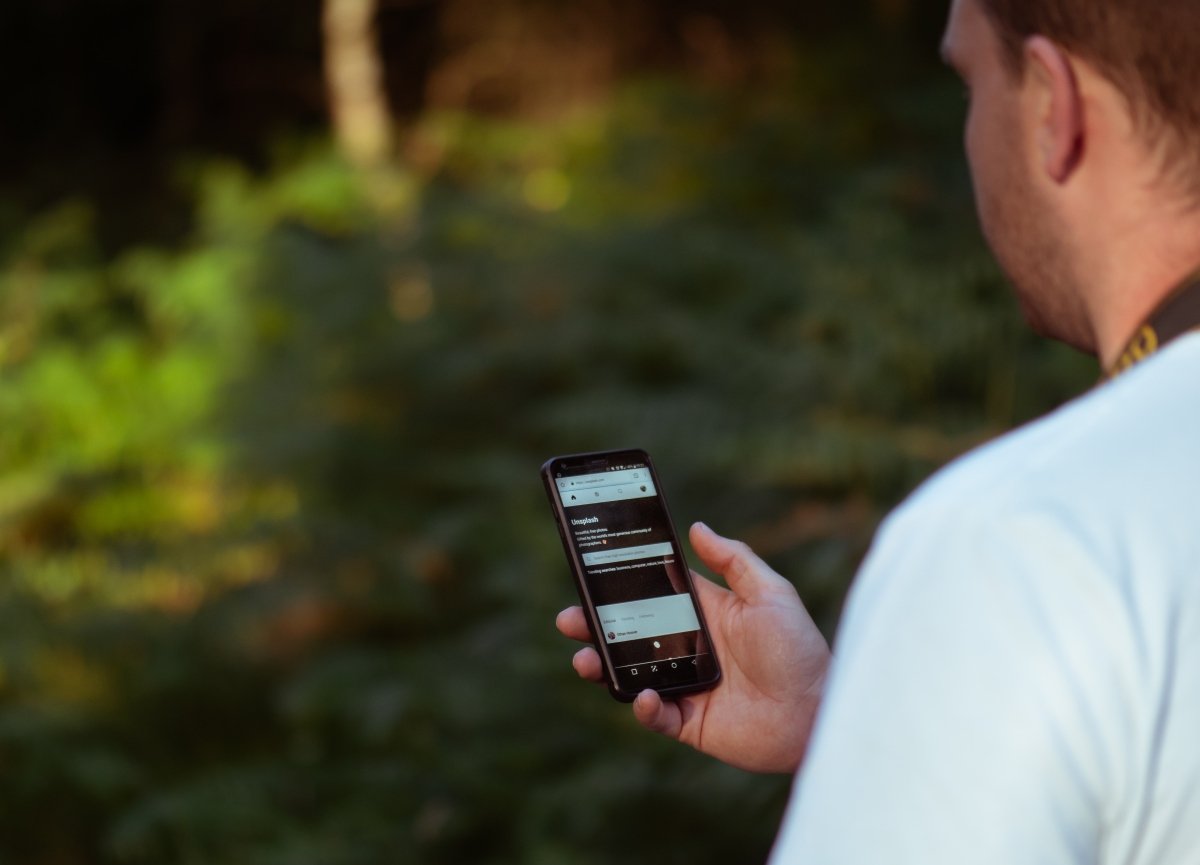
[[1018, 668]]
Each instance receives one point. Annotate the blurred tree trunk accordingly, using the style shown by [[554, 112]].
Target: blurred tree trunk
[[358, 101]]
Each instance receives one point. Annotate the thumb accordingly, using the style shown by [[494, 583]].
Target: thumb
[[747, 575]]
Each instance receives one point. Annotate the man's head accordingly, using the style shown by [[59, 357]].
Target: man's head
[[1085, 116], [1149, 51]]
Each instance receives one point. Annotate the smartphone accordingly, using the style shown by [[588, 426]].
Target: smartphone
[[628, 565]]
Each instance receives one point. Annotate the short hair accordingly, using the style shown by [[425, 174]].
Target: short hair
[[1148, 49]]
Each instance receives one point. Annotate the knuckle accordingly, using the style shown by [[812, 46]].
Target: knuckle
[[743, 560]]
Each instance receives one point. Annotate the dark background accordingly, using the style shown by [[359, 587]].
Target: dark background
[[277, 574]]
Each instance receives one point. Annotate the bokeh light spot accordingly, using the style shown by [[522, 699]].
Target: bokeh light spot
[[411, 294], [547, 189]]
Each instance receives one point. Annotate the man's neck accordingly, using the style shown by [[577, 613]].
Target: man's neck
[[1137, 277]]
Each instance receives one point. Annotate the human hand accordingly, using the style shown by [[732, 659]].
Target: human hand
[[773, 662]]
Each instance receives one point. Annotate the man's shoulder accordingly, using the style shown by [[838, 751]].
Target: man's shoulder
[[1110, 482], [1130, 446], [1025, 628]]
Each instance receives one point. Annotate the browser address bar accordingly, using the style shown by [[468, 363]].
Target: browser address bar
[[603, 479]]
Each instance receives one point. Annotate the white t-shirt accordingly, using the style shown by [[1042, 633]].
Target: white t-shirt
[[1017, 674]]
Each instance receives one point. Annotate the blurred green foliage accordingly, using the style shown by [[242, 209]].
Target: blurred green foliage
[[278, 574]]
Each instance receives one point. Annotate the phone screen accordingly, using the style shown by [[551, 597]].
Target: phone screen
[[624, 550]]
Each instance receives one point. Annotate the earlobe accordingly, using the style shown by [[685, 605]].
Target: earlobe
[[1060, 121]]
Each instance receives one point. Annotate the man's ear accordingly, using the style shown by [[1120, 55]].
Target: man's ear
[[1059, 106]]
